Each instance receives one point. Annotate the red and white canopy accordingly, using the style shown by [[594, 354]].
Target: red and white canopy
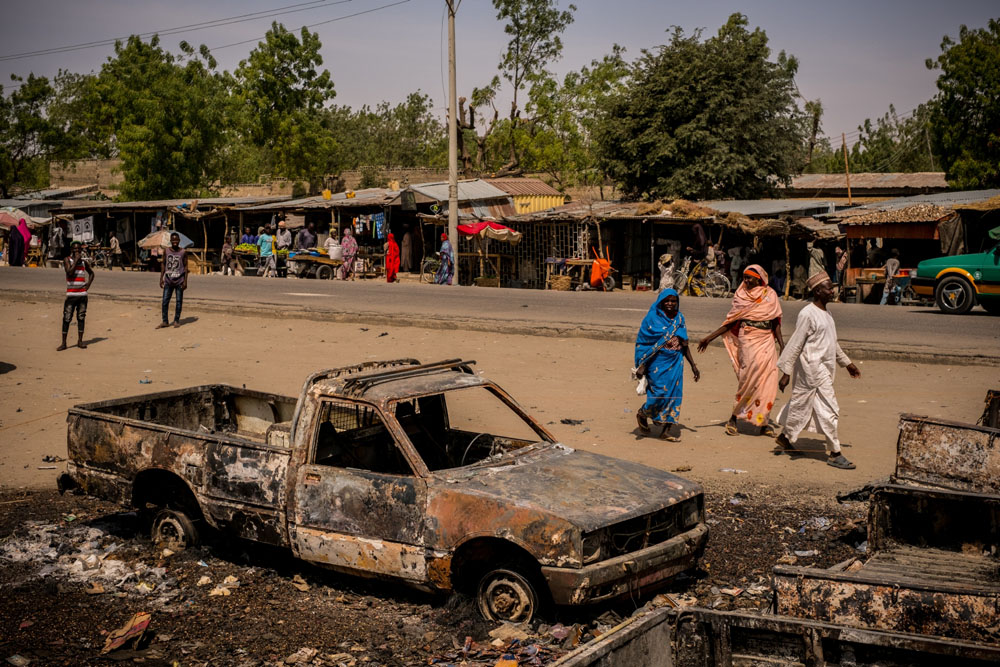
[[490, 230]]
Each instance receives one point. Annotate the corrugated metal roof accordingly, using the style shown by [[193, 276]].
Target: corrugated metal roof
[[769, 207], [60, 193], [226, 202], [921, 180], [525, 186], [474, 189], [921, 208]]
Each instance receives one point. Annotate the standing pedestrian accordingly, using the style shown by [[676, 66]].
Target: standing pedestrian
[[391, 259], [79, 278], [891, 269], [406, 251], [306, 238], [116, 252], [17, 244], [661, 346], [173, 279], [446, 271], [810, 359], [751, 330], [282, 244], [350, 250], [839, 266], [817, 260], [737, 260], [227, 257]]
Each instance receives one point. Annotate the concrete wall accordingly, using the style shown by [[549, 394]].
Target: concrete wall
[[86, 172]]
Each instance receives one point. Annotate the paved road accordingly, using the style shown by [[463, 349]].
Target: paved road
[[877, 331]]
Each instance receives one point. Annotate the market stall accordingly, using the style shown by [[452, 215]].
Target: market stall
[[481, 233]]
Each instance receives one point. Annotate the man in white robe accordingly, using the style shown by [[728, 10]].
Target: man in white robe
[[810, 360]]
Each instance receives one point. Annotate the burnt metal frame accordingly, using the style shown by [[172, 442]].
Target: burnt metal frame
[[359, 385]]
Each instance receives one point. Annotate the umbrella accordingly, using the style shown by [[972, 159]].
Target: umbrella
[[10, 217], [161, 239]]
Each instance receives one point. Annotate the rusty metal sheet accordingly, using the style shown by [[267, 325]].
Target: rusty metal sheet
[[948, 454], [878, 600]]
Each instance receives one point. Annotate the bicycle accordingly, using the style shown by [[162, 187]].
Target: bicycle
[[98, 257], [429, 268], [699, 281]]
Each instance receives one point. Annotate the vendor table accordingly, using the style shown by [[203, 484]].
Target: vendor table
[[308, 265]]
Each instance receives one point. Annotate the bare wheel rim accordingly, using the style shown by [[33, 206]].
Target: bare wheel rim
[[954, 296], [505, 595], [169, 530], [717, 285]]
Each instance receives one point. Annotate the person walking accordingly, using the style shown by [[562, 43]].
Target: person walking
[[173, 279], [661, 346], [79, 278], [306, 238], [265, 250], [810, 360], [391, 259], [282, 241], [446, 271], [406, 251], [751, 330]]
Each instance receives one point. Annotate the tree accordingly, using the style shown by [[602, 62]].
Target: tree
[[26, 135], [165, 119], [560, 139], [702, 119], [965, 115], [534, 27], [283, 96]]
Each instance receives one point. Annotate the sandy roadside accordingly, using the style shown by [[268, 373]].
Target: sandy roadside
[[554, 378]]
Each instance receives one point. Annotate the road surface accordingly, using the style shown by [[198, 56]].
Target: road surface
[[865, 331]]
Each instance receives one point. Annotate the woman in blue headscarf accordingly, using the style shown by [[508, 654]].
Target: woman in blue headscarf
[[660, 349]]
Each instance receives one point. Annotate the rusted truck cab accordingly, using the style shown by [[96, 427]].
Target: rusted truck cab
[[429, 474]]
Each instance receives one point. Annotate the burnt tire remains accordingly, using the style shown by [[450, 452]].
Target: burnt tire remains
[[504, 594], [174, 529]]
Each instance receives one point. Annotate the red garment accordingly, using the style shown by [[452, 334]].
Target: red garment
[[391, 260]]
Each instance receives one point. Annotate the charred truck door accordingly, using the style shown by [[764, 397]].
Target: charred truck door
[[358, 504]]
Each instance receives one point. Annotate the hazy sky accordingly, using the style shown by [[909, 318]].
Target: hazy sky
[[858, 57]]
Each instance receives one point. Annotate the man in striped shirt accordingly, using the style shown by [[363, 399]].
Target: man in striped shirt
[[79, 277]]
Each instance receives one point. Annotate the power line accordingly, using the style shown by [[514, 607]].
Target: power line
[[241, 18], [257, 39]]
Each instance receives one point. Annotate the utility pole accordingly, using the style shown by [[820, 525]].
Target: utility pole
[[847, 170], [452, 137]]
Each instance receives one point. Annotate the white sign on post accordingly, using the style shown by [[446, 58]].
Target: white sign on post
[[83, 229]]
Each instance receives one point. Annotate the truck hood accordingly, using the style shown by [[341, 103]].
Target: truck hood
[[929, 268], [588, 490]]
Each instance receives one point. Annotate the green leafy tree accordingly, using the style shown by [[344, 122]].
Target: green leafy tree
[[27, 137], [534, 28], [703, 119], [405, 135], [165, 117], [283, 96], [965, 116], [561, 138]]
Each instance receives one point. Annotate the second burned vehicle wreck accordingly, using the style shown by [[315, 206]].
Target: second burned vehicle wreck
[[428, 474]]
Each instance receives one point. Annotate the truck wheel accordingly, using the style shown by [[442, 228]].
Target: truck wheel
[[505, 594], [174, 529], [954, 295]]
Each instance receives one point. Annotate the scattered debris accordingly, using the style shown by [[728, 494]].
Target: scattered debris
[[807, 554], [571, 422], [681, 469], [18, 660], [300, 583], [204, 581], [129, 634], [735, 471], [49, 458]]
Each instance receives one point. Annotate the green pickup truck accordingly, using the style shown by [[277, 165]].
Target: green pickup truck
[[959, 282]]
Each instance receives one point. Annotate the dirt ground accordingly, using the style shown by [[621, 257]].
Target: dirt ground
[[762, 508], [555, 379]]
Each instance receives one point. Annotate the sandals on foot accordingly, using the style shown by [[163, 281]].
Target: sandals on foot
[[640, 418], [783, 445], [840, 462], [768, 431], [667, 434], [731, 429]]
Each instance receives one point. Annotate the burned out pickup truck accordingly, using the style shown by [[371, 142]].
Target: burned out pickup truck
[[429, 474]]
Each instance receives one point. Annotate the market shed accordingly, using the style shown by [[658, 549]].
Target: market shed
[[866, 185], [132, 220]]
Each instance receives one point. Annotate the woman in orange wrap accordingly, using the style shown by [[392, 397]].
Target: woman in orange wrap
[[750, 331]]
